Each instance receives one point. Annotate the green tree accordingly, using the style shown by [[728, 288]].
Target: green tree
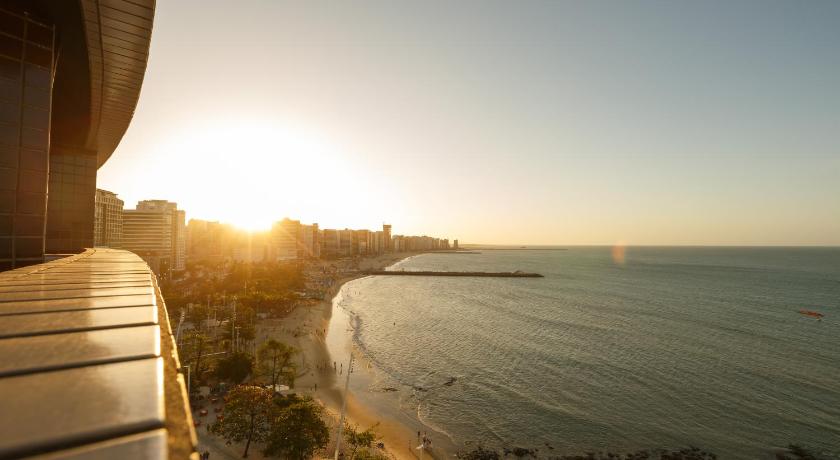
[[235, 367], [194, 345], [297, 431], [246, 417], [275, 362], [359, 439]]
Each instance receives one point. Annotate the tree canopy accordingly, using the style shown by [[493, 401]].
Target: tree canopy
[[194, 346], [275, 362], [235, 367], [297, 431], [246, 417], [359, 439]]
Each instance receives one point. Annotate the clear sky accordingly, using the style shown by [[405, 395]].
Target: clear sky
[[580, 122]]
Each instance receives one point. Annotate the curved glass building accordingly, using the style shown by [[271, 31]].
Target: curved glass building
[[70, 77]]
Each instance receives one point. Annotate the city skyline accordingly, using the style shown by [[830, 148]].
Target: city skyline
[[541, 123], [158, 232]]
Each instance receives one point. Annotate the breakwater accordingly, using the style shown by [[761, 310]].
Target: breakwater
[[516, 274]]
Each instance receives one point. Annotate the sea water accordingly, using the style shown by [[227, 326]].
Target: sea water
[[612, 350]]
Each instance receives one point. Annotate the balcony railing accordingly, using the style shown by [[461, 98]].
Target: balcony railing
[[88, 365]]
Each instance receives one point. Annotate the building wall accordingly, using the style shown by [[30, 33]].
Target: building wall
[[70, 201], [156, 231], [386, 238], [62, 114], [285, 235], [107, 219], [26, 66], [309, 242], [179, 257], [329, 243], [148, 233], [251, 248], [209, 240]]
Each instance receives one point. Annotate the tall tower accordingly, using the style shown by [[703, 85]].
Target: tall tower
[[386, 229]]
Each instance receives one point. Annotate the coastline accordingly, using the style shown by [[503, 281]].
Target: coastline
[[309, 328]]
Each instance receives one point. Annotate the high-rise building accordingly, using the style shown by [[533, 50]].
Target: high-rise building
[[345, 242], [209, 240], [362, 238], [107, 219], [310, 247], [285, 237], [386, 237], [251, 247], [329, 243], [156, 231], [378, 242], [62, 114]]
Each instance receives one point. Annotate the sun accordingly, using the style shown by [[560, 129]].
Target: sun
[[253, 172], [253, 223]]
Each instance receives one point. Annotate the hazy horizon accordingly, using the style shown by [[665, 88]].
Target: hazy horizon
[[534, 123]]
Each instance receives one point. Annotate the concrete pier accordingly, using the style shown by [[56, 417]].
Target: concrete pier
[[516, 274]]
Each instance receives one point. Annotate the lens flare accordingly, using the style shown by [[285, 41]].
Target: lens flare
[[618, 251]]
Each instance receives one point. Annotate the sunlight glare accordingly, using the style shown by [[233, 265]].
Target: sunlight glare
[[253, 172]]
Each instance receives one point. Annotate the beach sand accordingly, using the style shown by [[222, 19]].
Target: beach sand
[[306, 329]]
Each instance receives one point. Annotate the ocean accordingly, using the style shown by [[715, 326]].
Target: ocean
[[652, 348]]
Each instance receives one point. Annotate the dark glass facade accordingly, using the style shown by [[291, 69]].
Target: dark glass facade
[[71, 201], [26, 70], [70, 76]]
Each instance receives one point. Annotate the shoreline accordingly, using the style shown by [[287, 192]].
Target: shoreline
[[396, 435], [309, 328]]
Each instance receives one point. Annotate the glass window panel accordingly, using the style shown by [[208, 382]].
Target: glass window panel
[[39, 34], [11, 47], [35, 138], [36, 118], [37, 76], [7, 201], [8, 156], [33, 181], [29, 247], [9, 112], [8, 178], [33, 159], [11, 24], [6, 245], [9, 134], [9, 91], [32, 203], [5, 226], [37, 55], [36, 97], [29, 225], [10, 68]]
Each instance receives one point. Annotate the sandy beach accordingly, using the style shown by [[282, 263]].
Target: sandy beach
[[306, 329]]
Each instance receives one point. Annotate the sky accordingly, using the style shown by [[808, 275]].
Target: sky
[[534, 122]]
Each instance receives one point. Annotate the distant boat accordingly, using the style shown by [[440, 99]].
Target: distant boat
[[812, 314]]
